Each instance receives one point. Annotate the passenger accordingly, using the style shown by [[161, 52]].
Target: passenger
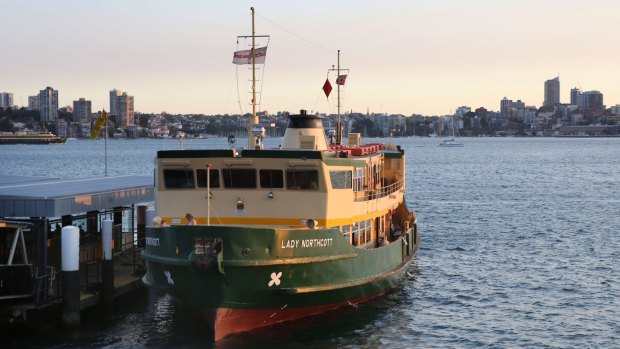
[[190, 219], [383, 242]]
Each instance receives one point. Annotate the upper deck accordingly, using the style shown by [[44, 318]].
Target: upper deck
[[279, 186]]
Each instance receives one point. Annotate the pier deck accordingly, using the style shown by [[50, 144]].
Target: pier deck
[[34, 211], [127, 277]]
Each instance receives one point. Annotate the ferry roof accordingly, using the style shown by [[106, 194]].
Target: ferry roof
[[55, 197]]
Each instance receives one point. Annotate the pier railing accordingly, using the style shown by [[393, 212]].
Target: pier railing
[[126, 253], [47, 285]]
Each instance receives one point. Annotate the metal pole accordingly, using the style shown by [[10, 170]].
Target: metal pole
[[106, 147], [339, 124], [209, 194], [254, 119]]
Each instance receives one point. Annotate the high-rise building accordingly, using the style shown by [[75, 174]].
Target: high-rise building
[[460, 111], [82, 110], [6, 100], [593, 101], [552, 92], [33, 102], [518, 104], [48, 104], [505, 108], [114, 94], [574, 95], [61, 128], [481, 112], [121, 108]]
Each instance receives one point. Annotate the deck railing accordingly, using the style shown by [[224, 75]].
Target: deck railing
[[379, 192]]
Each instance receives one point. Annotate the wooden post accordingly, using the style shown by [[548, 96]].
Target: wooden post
[[41, 282], [118, 235], [150, 214], [141, 225], [91, 221]]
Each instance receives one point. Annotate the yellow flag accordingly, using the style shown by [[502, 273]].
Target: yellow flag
[[101, 121]]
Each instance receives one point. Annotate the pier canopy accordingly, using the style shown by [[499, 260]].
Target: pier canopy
[[56, 197]]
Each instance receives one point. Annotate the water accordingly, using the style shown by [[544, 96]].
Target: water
[[520, 248]]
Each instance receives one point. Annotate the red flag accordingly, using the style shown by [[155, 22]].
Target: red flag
[[341, 79], [327, 88]]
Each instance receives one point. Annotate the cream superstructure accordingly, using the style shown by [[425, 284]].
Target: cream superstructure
[[356, 188]]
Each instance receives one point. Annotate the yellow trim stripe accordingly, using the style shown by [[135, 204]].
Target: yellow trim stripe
[[283, 221]]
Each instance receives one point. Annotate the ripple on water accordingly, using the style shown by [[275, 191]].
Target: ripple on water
[[519, 250]]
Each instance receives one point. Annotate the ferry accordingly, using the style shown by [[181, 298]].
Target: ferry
[[22, 137], [252, 237]]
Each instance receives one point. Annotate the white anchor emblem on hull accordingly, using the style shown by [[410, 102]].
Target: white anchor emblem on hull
[[275, 279], [169, 277]]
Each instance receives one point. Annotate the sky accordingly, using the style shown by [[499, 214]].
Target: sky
[[405, 56]]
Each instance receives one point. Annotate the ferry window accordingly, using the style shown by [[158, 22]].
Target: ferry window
[[367, 231], [355, 231], [179, 179], [362, 232], [214, 178], [341, 179], [346, 232], [358, 180], [239, 178], [302, 179], [271, 178]]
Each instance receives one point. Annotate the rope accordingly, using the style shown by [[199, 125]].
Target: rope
[[262, 78], [215, 213], [331, 52], [238, 96], [230, 93]]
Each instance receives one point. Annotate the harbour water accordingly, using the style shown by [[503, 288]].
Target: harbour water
[[520, 248]]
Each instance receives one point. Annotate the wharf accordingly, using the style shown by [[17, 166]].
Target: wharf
[[34, 214], [128, 271]]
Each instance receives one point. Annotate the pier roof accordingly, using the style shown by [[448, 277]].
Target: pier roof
[[55, 197]]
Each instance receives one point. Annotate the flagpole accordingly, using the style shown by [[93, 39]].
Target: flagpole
[[339, 124], [106, 147], [208, 194], [254, 119]]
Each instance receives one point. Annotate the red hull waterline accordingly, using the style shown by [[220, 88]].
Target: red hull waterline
[[227, 321]]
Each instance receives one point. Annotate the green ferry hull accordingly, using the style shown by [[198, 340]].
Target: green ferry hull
[[263, 276]]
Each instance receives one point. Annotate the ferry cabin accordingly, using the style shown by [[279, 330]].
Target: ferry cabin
[[356, 188]]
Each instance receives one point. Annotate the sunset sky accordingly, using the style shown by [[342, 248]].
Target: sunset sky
[[405, 57]]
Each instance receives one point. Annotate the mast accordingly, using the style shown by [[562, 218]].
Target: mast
[[105, 145], [255, 131], [254, 119], [339, 123], [338, 71]]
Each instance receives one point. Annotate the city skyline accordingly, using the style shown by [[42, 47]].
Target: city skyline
[[405, 57]]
